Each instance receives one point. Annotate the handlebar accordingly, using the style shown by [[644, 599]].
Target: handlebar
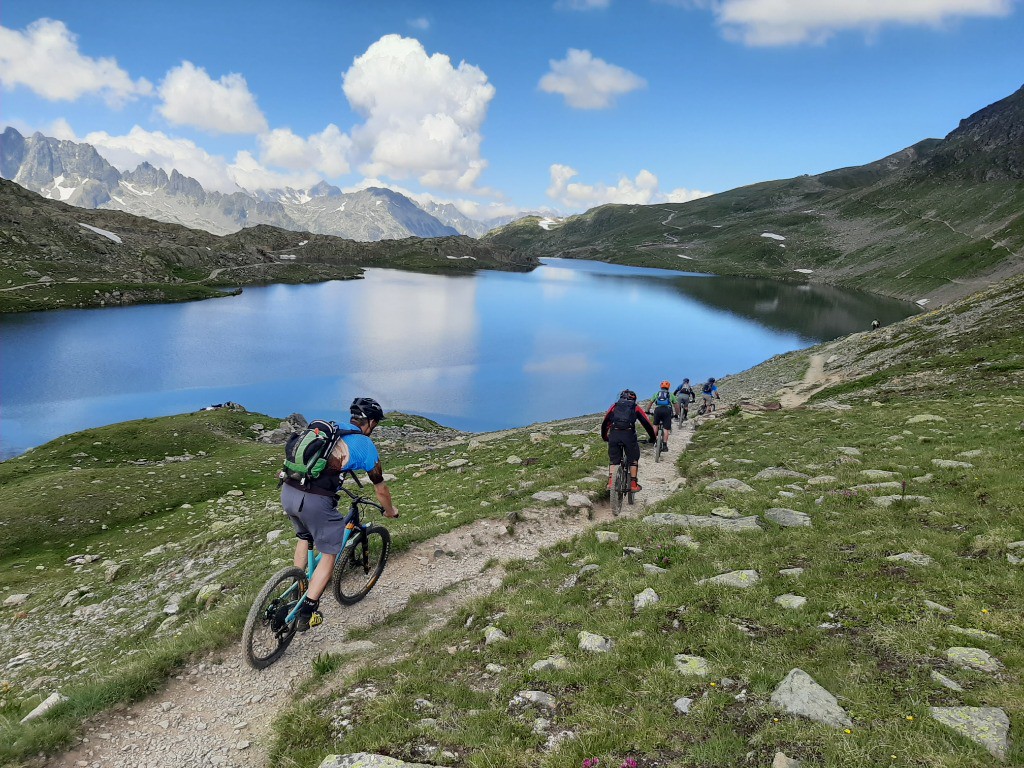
[[356, 498]]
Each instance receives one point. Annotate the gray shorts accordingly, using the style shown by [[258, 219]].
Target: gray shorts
[[315, 518]]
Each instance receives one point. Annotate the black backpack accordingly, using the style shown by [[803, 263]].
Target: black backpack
[[306, 453], [706, 389], [624, 414]]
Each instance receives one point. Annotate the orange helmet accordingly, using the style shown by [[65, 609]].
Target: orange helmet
[[666, 385]]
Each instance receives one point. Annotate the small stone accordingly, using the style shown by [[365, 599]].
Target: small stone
[[19, 599], [924, 417], [606, 537], [879, 474], [772, 473], [973, 658], [799, 694], [455, 463], [209, 594], [937, 607], [916, 558], [950, 464], [848, 451], [273, 536], [235, 492], [551, 663], [791, 571], [741, 579], [788, 518], [946, 682], [782, 761], [590, 568], [537, 698], [493, 635], [45, 706], [823, 480], [987, 726], [594, 643], [654, 570], [971, 632], [791, 601], [494, 669], [682, 705], [727, 513], [694, 666], [730, 484], [685, 540], [578, 501], [644, 599], [547, 496], [514, 460]]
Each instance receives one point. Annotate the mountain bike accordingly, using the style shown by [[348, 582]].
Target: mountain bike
[[270, 625], [621, 489]]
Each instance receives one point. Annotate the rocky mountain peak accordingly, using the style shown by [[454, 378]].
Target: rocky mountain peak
[[988, 145]]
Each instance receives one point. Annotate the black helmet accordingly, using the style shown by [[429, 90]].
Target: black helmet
[[366, 408], [627, 394], [712, 380]]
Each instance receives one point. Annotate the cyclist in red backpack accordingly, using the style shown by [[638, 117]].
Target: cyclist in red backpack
[[619, 430]]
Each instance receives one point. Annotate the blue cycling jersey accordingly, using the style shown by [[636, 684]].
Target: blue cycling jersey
[[362, 453]]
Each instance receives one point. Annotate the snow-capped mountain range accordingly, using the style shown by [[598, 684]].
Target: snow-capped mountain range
[[77, 174]]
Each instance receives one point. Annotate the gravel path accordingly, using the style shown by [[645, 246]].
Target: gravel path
[[219, 712]]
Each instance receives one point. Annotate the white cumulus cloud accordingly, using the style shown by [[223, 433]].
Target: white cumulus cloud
[[45, 59], [790, 22], [250, 174], [191, 97], [325, 152], [582, 5], [641, 190], [422, 115], [587, 82]]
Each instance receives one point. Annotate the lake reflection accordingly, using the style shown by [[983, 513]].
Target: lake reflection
[[478, 352]]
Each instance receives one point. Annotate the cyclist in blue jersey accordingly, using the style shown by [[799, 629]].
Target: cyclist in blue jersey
[[313, 511]]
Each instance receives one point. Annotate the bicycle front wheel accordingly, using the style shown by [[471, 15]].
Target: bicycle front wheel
[[361, 564], [267, 633]]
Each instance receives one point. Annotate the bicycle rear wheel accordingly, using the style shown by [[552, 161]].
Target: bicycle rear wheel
[[619, 491], [361, 564], [659, 446], [267, 634]]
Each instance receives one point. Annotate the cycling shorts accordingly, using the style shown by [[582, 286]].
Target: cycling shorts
[[315, 518], [623, 441], [663, 417]]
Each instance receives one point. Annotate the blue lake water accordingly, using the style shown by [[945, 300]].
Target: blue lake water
[[476, 352]]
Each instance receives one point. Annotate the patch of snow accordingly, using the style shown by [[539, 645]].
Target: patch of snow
[[547, 224], [287, 257], [810, 211], [922, 302], [782, 245], [128, 185], [98, 231], [117, 199], [805, 271], [304, 242], [716, 226], [377, 202], [64, 192], [342, 208], [459, 258], [772, 235], [684, 256]]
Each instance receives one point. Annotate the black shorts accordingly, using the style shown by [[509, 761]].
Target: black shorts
[[623, 440], [663, 416]]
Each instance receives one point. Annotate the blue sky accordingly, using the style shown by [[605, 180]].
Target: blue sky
[[501, 106]]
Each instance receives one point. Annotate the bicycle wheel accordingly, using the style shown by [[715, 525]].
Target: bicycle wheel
[[266, 634], [361, 564], [659, 446], [703, 407], [621, 484]]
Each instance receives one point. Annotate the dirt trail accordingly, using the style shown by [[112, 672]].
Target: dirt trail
[[814, 381], [218, 711]]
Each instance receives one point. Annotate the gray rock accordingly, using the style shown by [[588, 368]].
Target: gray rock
[[726, 512], [937, 607], [456, 463], [730, 484], [556, 661], [924, 417], [44, 706], [682, 705], [644, 599], [973, 658], [848, 451], [772, 473], [791, 571], [879, 474], [578, 501], [595, 643], [606, 537], [971, 632], [629, 551], [741, 579], [536, 698], [869, 487], [946, 682], [367, 760], [799, 694], [791, 601], [654, 570], [493, 635], [685, 540], [590, 568], [741, 524], [273, 536], [209, 594], [823, 480], [20, 599], [548, 496], [788, 518], [513, 460], [694, 666], [987, 726], [888, 501], [950, 464], [494, 669], [917, 558], [782, 761]]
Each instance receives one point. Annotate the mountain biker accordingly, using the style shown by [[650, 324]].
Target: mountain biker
[[663, 403], [687, 397], [619, 430], [314, 512], [710, 393]]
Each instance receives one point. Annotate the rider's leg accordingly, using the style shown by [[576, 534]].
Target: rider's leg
[[321, 576], [611, 474]]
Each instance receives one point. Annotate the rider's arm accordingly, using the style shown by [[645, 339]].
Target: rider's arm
[[606, 424], [645, 422], [380, 488]]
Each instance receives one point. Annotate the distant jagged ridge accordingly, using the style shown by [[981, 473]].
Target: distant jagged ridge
[[75, 173]]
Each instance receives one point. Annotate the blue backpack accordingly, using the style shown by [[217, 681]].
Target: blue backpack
[[663, 398]]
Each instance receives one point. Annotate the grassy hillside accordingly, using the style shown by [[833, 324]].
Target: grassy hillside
[[936, 402], [48, 259], [938, 220]]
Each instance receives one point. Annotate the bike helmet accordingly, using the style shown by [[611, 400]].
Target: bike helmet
[[686, 381], [666, 385], [366, 408], [712, 380], [627, 394]]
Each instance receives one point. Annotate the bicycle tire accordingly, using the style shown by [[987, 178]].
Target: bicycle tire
[[702, 408], [659, 446], [361, 564], [618, 491], [266, 617]]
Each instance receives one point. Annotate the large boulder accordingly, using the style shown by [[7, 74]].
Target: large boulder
[[799, 694]]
